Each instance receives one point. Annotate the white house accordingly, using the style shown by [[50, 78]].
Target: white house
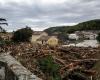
[[90, 35], [87, 35], [73, 36]]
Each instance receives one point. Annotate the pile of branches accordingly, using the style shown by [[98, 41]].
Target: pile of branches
[[75, 63]]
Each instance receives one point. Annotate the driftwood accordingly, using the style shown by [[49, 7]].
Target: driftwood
[[90, 72], [85, 60], [65, 57], [59, 60]]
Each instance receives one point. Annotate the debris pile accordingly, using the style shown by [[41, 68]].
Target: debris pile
[[76, 63]]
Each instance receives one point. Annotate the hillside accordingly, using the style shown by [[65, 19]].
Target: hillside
[[88, 25]]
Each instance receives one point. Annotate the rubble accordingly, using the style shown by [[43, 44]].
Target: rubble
[[70, 58]]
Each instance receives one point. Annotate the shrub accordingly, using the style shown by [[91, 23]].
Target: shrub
[[48, 66], [63, 37], [98, 38], [5, 42], [22, 35]]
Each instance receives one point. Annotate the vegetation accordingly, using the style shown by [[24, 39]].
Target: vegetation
[[74, 75], [3, 22], [2, 30], [98, 37], [50, 68], [5, 43], [63, 37], [88, 25], [22, 35]]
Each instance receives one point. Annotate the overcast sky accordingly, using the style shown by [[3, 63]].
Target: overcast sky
[[41, 14]]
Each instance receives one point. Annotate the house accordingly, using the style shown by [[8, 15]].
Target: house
[[49, 40], [36, 35], [43, 40], [73, 36], [87, 35], [80, 35]]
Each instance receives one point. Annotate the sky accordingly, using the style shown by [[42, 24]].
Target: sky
[[41, 14]]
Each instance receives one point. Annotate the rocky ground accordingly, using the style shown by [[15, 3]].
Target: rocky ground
[[72, 60]]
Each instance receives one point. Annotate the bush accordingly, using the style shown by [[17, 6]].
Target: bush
[[5, 42], [48, 66], [98, 38], [22, 35], [63, 37]]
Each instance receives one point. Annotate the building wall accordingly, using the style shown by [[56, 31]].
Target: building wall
[[91, 35], [73, 36], [35, 37]]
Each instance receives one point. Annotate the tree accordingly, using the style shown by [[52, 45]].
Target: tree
[[3, 22], [98, 38], [50, 68], [63, 37], [22, 35]]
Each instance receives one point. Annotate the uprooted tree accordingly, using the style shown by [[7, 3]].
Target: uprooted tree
[[22, 35]]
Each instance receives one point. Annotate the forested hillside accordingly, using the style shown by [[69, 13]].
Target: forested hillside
[[88, 25]]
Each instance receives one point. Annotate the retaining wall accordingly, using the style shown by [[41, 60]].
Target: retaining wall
[[11, 69]]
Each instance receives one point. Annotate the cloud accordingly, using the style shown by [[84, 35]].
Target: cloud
[[41, 14]]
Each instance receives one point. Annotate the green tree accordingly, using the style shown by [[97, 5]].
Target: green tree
[[22, 35], [50, 68], [63, 37], [3, 22], [98, 38]]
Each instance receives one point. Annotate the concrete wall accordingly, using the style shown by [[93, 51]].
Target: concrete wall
[[35, 37], [10, 69]]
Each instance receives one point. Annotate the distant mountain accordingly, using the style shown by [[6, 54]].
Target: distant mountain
[[88, 25]]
